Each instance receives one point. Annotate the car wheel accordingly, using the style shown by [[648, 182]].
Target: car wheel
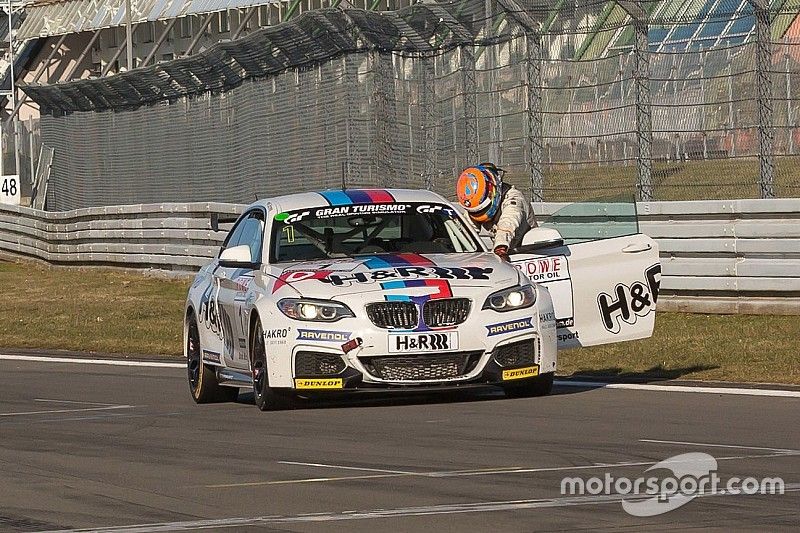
[[267, 399], [202, 380], [538, 386]]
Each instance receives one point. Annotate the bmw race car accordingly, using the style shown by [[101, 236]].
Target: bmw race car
[[363, 290]]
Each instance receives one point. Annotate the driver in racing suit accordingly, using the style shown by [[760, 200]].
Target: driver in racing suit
[[496, 207]]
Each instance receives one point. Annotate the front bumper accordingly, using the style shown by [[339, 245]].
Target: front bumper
[[515, 361]]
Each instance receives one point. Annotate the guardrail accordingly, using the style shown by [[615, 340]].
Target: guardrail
[[717, 256], [156, 236]]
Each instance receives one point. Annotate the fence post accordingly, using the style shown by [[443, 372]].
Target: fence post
[[385, 117], [470, 103], [352, 166], [427, 97], [644, 122], [764, 99], [534, 152]]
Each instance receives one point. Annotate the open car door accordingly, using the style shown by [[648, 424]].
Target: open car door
[[602, 274]]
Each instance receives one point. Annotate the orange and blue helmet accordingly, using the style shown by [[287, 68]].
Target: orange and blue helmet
[[480, 190]]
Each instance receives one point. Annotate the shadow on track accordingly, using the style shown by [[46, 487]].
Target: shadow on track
[[652, 374]]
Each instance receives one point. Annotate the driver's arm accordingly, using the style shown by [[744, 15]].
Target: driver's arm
[[512, 215]]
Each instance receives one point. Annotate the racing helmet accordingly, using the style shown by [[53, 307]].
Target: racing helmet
[[480, 190]]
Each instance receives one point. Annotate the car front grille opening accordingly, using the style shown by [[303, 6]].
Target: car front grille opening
[[517, 353], [445, 312], [311, 364], [422, 367], [393, 315]]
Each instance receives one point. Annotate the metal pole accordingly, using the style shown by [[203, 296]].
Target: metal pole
[[789, 123], [71, 72], [41, 70], [199, 34], [470, 103], [129, 34], [31, 148], [243, 23], [764, 99], [644, 124], [121, 48], [385, 114], [534, 153], [158, 43], [13, 94], [428, 103]]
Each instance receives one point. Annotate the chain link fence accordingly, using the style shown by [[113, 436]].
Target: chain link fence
[[575, 100]]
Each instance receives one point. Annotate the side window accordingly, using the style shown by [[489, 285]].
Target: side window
[[250, 231], [594, 220]]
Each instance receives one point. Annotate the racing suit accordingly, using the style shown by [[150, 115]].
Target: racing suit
[[512, 221]]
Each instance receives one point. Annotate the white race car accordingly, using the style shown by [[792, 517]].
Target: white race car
[[358, 290]]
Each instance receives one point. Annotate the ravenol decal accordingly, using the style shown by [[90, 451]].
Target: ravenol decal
[[628, 303], [323, 336], [329, 383], [510, 326], [521, 373]]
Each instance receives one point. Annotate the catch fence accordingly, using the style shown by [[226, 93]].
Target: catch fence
[[575, 100]]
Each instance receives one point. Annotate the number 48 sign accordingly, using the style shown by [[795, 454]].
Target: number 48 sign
[[9, 190]]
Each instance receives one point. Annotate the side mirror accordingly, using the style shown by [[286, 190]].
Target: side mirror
[[237, 257], [538, 238]]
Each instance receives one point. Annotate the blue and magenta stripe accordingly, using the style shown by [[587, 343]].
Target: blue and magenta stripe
[[358, 196]]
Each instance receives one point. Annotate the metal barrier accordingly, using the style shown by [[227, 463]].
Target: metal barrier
[[717, 256]]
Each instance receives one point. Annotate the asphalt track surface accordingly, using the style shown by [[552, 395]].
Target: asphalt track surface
[[96, 446]]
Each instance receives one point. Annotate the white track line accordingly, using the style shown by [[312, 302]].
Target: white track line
[[341, 467], [401, 512], [562, 383], [469, 473], [107, 408], [81, 361], [706, 444], [681, 388], [73, 401]]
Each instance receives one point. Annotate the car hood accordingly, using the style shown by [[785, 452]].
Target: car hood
[[393, 273]]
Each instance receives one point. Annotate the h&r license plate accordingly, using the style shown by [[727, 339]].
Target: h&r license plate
[[423, 342]]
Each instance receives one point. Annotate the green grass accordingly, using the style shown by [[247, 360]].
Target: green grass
[[753, 348], [90, 310], [123, 312]]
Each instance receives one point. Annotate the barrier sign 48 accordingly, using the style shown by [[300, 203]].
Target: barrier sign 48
[[9, 190]]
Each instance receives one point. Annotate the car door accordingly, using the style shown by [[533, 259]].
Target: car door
[[603, 279], [233, 285]]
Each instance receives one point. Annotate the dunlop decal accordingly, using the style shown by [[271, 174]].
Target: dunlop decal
[[318, 384], [521, 373]]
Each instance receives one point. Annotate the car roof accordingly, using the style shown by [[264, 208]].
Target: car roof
[[337, 197]]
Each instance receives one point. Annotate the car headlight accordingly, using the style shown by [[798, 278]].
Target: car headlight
[[511, 299], [314, 310]]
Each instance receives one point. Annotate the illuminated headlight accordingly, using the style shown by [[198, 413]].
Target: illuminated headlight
[[511, 299], [314, 310]]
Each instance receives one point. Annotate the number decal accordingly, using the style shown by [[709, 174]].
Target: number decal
[[289, 231]]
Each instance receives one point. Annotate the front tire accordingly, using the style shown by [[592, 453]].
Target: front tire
[[203, 383], [538, 386], [267, 398]]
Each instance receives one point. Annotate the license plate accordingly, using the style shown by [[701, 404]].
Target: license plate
[[423, 342]]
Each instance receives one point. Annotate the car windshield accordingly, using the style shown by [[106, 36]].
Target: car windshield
[[363, 229]]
